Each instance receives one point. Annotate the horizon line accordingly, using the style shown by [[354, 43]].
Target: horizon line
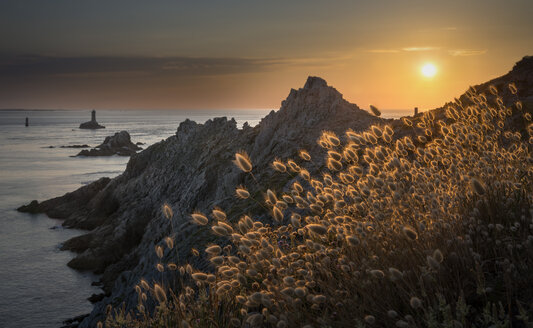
[[178, 109]]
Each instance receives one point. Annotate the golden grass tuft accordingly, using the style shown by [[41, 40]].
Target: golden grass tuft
[[199, 218], [243, 162]]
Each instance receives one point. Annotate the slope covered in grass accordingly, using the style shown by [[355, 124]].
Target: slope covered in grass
[[424, 224]]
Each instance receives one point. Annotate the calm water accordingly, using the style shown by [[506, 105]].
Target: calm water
[[37, 289]]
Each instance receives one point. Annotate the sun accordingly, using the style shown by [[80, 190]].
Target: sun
[[429, 70]]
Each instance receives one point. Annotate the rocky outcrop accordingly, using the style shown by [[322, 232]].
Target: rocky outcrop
[[193, 170], [117, 144], [91, 125], [70, 206]]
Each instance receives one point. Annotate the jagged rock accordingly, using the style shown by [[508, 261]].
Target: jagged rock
[[193, 170], [96, 297], [74, 322], [70, 206], [32, 208], [118, 144]]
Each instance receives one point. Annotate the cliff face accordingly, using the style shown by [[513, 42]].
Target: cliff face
[[192, 170]]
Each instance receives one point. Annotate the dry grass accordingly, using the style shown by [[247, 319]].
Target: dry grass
[[433, 230]]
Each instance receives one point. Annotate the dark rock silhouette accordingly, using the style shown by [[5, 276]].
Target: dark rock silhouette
[[92, 124], [76, 146], [62, 207], [74, 322], [70, 146], [117, 144]]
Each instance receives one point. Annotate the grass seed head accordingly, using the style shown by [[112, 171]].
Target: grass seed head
[[375, 110], [167, 211], [199, 218], [242, 193], [160, 294], [409, 232], [243, 162]]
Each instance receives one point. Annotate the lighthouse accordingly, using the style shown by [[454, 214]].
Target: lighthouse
[[92, 124]]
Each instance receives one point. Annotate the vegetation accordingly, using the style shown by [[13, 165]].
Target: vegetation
[[429, 230]]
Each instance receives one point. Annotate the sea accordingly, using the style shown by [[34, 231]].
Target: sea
[[37, 288]]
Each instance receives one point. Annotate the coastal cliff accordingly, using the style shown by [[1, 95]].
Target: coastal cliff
[[193, 170]]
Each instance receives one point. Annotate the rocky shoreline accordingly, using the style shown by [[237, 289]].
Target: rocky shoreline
[[193, 170]]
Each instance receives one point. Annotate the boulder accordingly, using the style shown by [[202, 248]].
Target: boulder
[[117, 144]]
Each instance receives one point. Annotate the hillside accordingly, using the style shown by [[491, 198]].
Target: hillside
[[194, 171]]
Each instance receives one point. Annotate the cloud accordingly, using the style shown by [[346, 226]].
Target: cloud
[[405, 49], [125, 66], [449, 28], [383, 51], [453, 52], [35, 66], [466, 52], [412, 49]]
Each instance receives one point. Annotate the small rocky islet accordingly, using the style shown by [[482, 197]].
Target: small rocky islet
[[193, 170], [92, 124], [117, 144]]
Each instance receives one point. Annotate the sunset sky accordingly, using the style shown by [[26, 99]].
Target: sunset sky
[[248, 54]]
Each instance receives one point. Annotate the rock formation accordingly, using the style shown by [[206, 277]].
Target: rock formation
[[193, 170], [117, 144], [92, 124]]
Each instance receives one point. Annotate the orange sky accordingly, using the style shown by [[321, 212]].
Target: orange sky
[[248, 54]]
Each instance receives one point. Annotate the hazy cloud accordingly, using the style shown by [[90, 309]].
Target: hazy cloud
[[466, 52], [411, 49], [126, 67], [405, 49], [383, 51], [14, 66]]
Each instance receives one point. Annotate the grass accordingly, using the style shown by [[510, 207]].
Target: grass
[[433, 229]]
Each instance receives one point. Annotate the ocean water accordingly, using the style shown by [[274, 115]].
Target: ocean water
[[37, 289]]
